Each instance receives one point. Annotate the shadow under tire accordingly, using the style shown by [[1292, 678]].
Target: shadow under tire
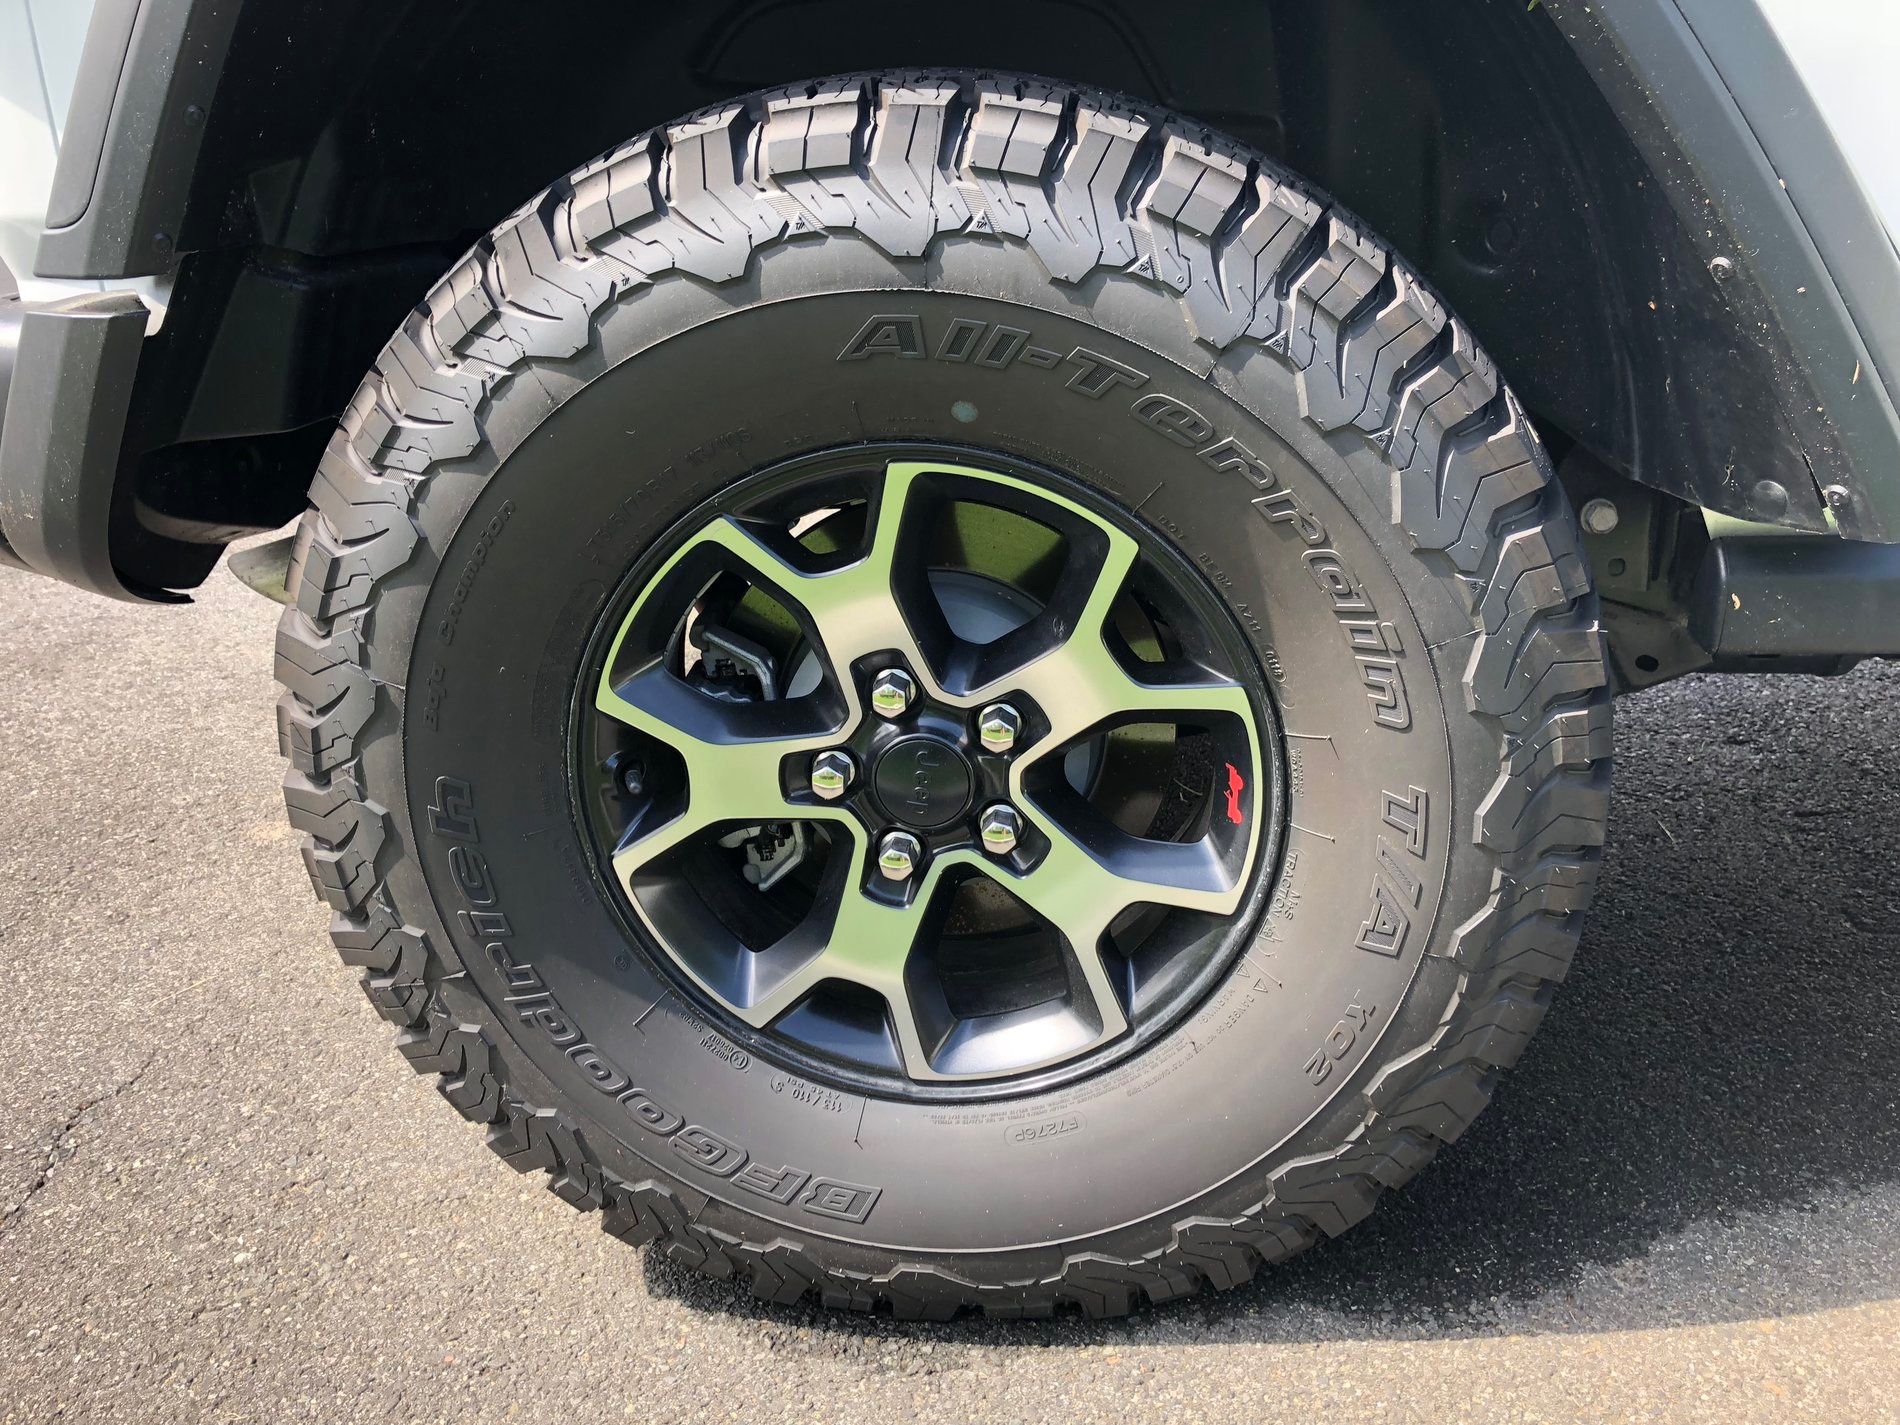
[[1181, 351]]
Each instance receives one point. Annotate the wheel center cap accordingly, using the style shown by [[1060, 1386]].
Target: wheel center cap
[[923, 781]]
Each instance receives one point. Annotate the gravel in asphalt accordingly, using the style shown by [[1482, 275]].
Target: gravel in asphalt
[[226, 1198]]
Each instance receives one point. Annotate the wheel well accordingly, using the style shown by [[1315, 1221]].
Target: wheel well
[[357, 146]]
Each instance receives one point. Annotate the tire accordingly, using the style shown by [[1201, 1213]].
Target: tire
[[1204, 347]]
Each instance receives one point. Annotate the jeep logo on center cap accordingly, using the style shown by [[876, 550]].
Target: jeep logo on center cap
[[923, 781]]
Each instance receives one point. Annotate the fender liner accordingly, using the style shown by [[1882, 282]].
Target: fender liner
[[1712, 101]]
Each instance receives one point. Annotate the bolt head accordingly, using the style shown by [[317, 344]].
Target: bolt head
[[998, 725], [1770, 498], [1000, 827], [891, 692], [898, 854], [1599, 516], [831, 774]]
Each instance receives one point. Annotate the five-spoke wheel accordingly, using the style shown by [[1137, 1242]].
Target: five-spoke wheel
[[930, 769]]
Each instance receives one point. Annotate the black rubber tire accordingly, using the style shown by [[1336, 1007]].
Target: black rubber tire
[[1414, 587]]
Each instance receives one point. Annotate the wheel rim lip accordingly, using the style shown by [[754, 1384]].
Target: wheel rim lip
[[1263, 861]]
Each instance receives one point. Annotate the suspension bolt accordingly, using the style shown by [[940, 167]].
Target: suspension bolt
[[831, 774], [998, 725], [999, 827], [892, 691], [898, 854], [1599, 516]]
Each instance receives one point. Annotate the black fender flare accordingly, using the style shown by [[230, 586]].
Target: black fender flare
[[1711, 99]]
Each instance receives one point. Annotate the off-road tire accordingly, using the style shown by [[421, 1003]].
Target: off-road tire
[[1107, 196]]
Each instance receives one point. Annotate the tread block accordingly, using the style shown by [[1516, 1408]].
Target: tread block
[[1185, 206], [1256, 266], [328, 696], [1326, 292], [345, 834], [717, 215]]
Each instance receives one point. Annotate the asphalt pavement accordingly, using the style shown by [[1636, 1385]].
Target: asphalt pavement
[[223, 1197]]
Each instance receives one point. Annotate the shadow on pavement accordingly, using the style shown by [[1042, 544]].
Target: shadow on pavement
[[1728, 1044]]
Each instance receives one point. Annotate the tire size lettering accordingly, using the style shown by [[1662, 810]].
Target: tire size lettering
[[809, 1094]]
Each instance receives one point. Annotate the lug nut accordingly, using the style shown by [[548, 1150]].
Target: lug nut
[[998, 726], [898, 854], [831, 774], [891, 692], [999, 827], [1599, 516]]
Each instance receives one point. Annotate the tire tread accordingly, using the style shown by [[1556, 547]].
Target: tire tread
[[1087, 183]]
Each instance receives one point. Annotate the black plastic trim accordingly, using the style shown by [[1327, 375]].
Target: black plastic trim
[[1797, 596], [1805, 154], [59, 449]]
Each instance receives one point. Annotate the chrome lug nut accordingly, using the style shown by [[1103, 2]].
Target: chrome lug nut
[[898, 854], [998, 725], [831, 774], [892, 691], [999, 827]]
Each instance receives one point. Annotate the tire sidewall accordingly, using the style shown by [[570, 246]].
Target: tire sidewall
[[687, 389]]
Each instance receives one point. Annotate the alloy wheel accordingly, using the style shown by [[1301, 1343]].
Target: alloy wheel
[[921, 769]]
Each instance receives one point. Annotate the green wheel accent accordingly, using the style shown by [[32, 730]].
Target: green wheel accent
[[744, 763]]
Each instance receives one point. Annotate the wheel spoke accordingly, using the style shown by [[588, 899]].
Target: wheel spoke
[[866, 941], [858, 609], [734, 766], [852, 610], [1082, 687], [1080, 684], [1081, 890]]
